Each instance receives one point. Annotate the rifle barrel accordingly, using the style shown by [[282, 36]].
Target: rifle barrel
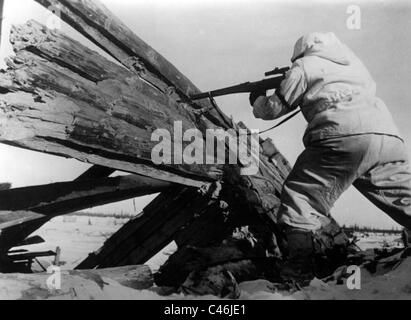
[[247, 87]]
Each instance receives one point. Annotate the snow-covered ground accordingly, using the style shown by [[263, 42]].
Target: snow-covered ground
[[378, 240], [77, 236]]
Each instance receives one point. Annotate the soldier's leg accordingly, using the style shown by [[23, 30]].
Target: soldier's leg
[[315, 244], [321, 174], [388, 183]]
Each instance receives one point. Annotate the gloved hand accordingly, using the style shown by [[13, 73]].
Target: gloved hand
[[256, 94]]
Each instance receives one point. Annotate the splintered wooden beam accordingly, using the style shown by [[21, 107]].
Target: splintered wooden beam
[[144, 236], [18, 231], [62, 98], [67, 197], [12, 218], [94, 21], [191, 219], [79, 285], [30, 255], [96, 172], [31, 241], [24, 210]]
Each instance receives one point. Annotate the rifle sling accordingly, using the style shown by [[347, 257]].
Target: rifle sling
[[282, 122]]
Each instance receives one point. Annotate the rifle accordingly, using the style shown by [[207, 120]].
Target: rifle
[[263, 85]]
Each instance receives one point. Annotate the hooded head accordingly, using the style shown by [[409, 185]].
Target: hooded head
[[323, 45]]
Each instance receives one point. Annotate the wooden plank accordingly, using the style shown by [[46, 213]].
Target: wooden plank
[[30, 255], [12, 218], [41, 203], [134, 246], [96, 172], [14, 235], [165, 233], [31, 241], [137, 277], [260, 191], [93, 20], [66, 197], [78, 285], [141, 238], [64, 99]]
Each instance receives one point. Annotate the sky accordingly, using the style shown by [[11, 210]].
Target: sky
[[218, 43]]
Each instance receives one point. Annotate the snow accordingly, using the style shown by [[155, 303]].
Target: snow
[[373, 240], [77, 236]]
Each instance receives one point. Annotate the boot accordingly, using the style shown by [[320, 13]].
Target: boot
[[299, 256], [332, 249], [314, 254]]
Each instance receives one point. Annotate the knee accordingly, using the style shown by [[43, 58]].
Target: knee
[[297, 217]]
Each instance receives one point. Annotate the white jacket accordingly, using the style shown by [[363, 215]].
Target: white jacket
[[334, 90]]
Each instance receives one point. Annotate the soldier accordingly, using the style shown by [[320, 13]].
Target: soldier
[[351, 138]]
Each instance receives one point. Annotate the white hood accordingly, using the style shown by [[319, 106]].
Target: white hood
[[323, 45]]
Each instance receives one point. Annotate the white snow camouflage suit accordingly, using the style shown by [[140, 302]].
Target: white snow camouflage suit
[[351, 137]]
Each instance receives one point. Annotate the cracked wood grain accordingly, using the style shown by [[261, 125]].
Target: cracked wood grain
[[104, 118]]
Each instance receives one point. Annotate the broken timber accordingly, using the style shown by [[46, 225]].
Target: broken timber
[[104, 284], [60, 97], [41, 203], [142, 237], [94, 21]]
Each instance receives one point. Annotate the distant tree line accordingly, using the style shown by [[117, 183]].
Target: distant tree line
[[121, 215], [348, 229], [357, 228]]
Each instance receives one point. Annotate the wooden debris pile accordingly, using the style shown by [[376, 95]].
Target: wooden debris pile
[[59, 97]]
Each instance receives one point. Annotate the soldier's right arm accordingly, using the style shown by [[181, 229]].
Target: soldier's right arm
[[285, 99]]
